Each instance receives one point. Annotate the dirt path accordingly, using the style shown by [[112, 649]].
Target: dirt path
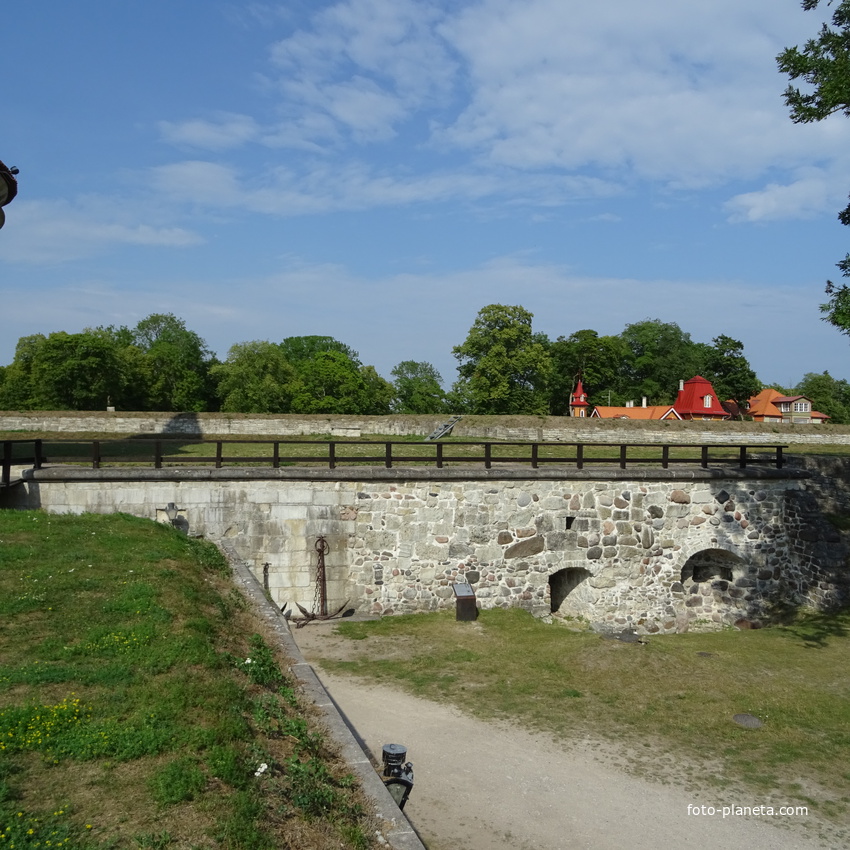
[[483, 786]]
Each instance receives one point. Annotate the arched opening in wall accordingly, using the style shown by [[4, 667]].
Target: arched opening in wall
[[710, 565], [563, 583]]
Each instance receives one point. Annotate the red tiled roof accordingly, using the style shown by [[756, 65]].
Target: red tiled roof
[[692, 397], [658, 411]]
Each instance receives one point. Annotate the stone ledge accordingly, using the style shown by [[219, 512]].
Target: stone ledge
[[411, 473]]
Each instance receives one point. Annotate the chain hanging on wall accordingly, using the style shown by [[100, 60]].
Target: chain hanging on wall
[[320, 603]]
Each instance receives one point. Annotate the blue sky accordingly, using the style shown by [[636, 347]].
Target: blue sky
[[379, 170]]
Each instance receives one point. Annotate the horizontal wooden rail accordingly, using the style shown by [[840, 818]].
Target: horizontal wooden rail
[[169, 452]]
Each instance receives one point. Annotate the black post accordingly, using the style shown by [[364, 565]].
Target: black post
[[7, 462]]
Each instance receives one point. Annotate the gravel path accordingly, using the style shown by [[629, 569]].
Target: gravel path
[[485, 786]]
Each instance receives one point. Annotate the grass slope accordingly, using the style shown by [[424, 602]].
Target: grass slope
[[140, 705]]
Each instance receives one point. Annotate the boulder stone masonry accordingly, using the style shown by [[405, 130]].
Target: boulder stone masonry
[[654, 557]]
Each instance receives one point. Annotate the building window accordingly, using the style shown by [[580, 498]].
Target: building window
[[785, 407], [801, 407], [706, 401]]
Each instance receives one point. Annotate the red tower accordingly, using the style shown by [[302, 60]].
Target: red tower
[[578, 401]]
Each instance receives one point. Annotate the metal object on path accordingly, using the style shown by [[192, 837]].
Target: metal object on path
[[748, 721], [466, 605], [398, 774]]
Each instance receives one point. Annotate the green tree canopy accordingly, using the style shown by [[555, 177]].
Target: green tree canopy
[[255, 378], [177, 362], [824, 65], [503, 365], [16, 391], [418, 388], [330, 382], [729, 371], [76, 372], [598, 358], [301, 349], [657, 356], [829, 396]]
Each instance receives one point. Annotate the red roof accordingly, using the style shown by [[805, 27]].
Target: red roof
[[697, 399], [578, 398]]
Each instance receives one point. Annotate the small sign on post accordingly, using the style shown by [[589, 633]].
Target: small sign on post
[[467, 608]]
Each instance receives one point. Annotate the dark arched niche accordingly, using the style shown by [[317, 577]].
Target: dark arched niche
[[710, 565], [563, 583]]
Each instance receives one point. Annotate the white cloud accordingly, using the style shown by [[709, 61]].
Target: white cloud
[[45, 232], [367, 64], [813, 193], [357, 186], [226, 131]]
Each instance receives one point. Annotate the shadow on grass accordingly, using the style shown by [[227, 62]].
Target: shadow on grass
[[816, 629]]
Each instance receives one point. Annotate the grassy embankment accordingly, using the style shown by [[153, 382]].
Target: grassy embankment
[[669, 701], [130, 714]]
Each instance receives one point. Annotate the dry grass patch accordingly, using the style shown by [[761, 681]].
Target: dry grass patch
[[668, 701]]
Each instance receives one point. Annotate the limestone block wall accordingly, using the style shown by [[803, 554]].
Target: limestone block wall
[[657, 552], [530, 428]]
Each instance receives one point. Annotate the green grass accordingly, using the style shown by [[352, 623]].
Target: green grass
[[129, 708], [672, 696]]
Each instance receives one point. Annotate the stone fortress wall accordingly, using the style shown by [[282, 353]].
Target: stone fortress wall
[[654, 551], [526, 428]]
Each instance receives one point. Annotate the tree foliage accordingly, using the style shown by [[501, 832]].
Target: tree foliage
[[657, 356], [597, 358], [824, 64], [178, 364], [504, 366], [255, 378], [828, 395], [418, 388], [729, 371]]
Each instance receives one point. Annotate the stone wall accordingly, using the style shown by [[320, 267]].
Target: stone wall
[[655, 551], [528, 428]]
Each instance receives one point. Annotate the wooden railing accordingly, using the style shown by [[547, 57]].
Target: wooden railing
[[171, 452]]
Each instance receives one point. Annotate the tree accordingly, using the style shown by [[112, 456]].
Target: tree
[[599, 359], [177, 362], [255, 378], [657, 356], [330, 382], [824, 63], [379, 392], [837, 309], [16, 391], [504, 366], [300, 349], [418, 388], [729, 371], [828, 395], [75, 372]]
